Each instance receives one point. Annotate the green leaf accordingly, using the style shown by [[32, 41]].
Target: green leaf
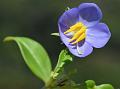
[[35, 56], [63, 58], [91, 85], [104, 86]]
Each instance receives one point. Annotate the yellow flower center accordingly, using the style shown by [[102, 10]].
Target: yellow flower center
[[79, 30]]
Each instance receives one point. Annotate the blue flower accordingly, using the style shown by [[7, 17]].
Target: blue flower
[[80, 29]]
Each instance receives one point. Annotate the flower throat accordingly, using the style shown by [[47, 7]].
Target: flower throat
[[79, 30]]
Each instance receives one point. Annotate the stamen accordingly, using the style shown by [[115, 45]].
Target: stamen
[[80, 38], [78, 31], [77, 34], [79, 51], [77, 25], [74, 27]]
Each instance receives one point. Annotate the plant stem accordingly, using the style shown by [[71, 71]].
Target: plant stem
[[50, 84]]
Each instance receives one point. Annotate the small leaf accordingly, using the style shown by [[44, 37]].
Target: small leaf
[[104, 86], [35, 56], [63, 58], [91, 85], [55, 34]]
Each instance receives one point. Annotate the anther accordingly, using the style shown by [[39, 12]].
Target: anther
[[74, 27], [77, 34], [80, 38]]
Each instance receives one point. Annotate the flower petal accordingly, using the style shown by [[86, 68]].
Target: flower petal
[[98, 35], [63, 37], [85, 50], [90, 13], [70, 17]]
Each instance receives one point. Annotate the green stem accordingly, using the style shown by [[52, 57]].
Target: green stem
[[50, 84]]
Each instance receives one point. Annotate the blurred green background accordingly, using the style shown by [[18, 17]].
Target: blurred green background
[[37, 19]]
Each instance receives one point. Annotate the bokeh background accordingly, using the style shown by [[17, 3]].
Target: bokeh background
[[37, 19]]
